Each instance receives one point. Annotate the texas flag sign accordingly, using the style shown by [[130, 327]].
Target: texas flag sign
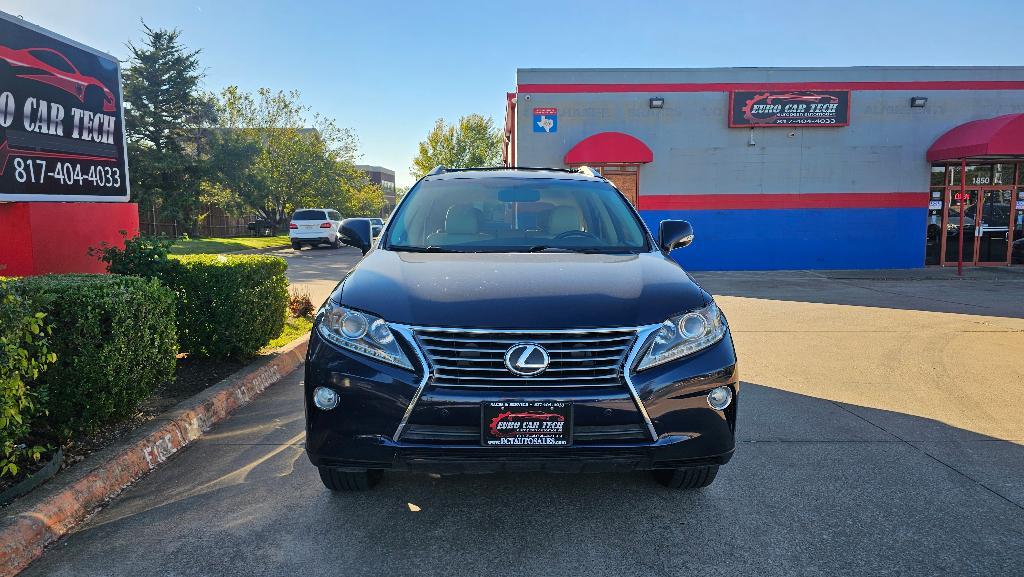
[[545, 120]]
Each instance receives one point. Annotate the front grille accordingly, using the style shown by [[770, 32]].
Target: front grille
[[579, 358], [456, 434]]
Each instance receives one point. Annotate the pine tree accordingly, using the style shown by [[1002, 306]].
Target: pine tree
[[164, 112]]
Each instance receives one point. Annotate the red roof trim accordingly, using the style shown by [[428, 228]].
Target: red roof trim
[[784, 201], [609, 147], [999, 136], [730, 86]]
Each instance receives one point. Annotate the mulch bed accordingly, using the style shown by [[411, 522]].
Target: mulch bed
[[191, 376]]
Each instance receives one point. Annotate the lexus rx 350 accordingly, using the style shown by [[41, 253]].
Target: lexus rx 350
[[519, 319]]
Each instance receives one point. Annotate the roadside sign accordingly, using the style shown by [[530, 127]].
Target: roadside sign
[[61, 118], [545, 120]]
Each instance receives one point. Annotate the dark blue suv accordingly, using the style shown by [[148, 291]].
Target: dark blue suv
[[519, 319]]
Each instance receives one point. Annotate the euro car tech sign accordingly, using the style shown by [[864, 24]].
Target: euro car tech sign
[[789, 108], [61, 120]]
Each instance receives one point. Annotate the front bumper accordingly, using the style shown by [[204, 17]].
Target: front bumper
[[442, 429]]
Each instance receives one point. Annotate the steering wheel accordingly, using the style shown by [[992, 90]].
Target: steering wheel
[[582, 233]]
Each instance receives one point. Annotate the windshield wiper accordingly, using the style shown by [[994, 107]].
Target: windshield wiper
[[431, 248], [546, 248], [581, 250]]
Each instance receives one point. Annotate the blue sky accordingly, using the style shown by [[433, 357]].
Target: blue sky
[[388, 69]]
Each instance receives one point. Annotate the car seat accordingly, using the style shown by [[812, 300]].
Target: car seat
[[564, 219], [461, 225]]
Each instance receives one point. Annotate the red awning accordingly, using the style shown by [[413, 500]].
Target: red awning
[[609, 148], [993, 137]]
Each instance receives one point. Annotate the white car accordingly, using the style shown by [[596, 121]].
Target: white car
[[315, 226]]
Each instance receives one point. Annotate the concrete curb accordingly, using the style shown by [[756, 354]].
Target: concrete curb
[[57, 507]]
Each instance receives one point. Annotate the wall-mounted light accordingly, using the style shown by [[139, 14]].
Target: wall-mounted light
[[918, 101], [657, 102]]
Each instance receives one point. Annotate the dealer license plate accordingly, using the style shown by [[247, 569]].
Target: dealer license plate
[[526, 423]]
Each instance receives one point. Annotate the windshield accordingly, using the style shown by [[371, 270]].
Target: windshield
[[516, 215]]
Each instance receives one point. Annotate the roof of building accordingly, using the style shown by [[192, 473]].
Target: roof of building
[[375, 168]]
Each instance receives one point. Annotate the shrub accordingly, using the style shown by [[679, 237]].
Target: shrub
[[229, 306], [300, 305], [114, 338], [141, 255], [24, 355]]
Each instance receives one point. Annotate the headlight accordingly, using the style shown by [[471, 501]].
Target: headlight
[[362, 333], [683, 335]]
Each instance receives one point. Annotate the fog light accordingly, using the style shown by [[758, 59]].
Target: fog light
[[719, 398], [326, 399]]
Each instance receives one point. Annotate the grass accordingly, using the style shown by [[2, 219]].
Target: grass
[[218, 245], [293, 329]]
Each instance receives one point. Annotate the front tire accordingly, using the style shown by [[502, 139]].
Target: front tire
[[689, 478], [336, 480]]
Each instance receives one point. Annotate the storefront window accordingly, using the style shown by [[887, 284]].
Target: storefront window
[[938, 175]]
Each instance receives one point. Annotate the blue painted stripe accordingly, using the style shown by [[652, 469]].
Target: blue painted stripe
[[858, 238]]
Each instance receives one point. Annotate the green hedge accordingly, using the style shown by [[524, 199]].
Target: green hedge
[[24, 355], [229, 306], [114, 337]]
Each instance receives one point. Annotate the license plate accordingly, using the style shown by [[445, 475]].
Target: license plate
[[526, 423]]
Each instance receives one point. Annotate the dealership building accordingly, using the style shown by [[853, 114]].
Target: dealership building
[[795, 168]]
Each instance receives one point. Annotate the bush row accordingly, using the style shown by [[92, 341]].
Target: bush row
[[115, 341], [228, 306], [24, 355], [78, 352]]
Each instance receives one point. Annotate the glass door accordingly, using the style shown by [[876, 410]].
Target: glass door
[[967, 203], [993, 229]]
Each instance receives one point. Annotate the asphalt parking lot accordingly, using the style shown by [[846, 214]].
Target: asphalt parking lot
[[881, 431]]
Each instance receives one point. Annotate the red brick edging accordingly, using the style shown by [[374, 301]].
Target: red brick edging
[[52, 510]]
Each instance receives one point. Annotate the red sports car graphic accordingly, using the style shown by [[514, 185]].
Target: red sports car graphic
[[510, 416], [48, 66], [803, 97]]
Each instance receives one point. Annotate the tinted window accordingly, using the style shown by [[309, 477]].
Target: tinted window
[[334, 215], [501, 214], [309, 215], [53, 59]]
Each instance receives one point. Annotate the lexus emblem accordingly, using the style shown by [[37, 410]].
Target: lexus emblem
[[526, 359]]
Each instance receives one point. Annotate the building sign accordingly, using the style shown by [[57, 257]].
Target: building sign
[[61, 121], [789, 108], [545, 120]]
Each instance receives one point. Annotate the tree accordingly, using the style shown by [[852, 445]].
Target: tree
[[366, 200], [473, 141], [268, 155], [164, 111]]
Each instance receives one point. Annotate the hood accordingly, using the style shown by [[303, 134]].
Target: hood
[[519, 291]]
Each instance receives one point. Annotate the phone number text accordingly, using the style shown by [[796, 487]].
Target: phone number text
[[67, 173]]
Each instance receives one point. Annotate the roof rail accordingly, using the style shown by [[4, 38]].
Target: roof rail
[[584, 170]]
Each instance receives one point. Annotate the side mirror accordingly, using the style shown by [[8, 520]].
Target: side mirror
[[356, 232], [673, 234]]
